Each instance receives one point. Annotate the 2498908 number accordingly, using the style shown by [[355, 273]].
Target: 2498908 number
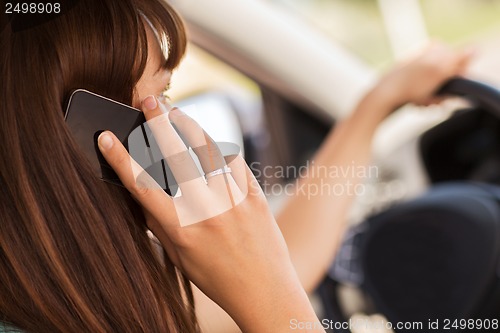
[[465, 324], [32, 8]]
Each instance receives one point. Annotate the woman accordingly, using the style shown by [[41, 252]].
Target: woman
[[74, 252]]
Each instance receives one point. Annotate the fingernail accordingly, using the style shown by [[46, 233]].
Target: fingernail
[[105, 141], [166, 107], [176, 112], [150, 103]]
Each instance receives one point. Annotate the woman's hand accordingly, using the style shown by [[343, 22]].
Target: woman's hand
[[313, 225], [417, 79], [220, 232]]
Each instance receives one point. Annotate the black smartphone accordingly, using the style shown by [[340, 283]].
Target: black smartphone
[[89, 114]]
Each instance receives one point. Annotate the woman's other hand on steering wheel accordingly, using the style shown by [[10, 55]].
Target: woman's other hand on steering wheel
[[418, 78]]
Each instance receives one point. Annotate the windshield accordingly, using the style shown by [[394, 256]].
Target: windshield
[[378, 31]]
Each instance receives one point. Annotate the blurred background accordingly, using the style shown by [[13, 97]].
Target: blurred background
[[367, 27], [371, 30], [287, 70], [275, 76]]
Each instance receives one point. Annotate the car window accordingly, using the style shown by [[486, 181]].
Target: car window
[[363, 26], [200, 71]]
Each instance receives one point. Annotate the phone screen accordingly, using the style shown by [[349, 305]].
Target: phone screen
[[89, 114]]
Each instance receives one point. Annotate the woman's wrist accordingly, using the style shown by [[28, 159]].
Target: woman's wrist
[[383, 99], [281, 315], [372, 109], [274, 310]]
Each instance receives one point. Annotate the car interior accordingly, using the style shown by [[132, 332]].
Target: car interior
[[431, 224]]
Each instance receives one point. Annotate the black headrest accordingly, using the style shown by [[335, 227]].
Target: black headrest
[[435, 257]]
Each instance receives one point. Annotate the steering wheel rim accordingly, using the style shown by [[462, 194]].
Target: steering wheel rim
[[481, 94]]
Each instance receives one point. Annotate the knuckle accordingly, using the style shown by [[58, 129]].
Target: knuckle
[[158, 121], [178, 159], [144, 184], [121, 160], [139, 190], [212, 149], [211, 159], [430, 64], [183, 119], [181, 238]]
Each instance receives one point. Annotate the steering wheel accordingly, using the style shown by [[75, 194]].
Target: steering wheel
[[481, 94], [467, 145], [457, 226]]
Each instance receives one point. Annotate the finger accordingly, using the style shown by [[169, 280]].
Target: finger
[[172, 148], [253, 186], [210, 157], [455, 61], [243, 176], [205, 148], [144, 188], [465, 59], [435, 100], [238, 171]]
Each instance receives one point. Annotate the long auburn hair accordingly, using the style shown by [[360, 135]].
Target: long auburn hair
[[74, 251]]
